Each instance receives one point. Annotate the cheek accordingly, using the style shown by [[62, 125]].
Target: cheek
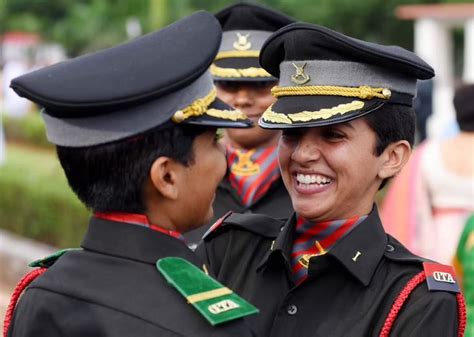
[[284, 155], [217, 164], [264, 101], [227, 97]]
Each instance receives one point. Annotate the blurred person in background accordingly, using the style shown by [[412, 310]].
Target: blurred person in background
[[427, 205], [423, 105], [252, 183], [464, 265]]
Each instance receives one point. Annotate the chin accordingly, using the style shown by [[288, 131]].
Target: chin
[[307, 211]]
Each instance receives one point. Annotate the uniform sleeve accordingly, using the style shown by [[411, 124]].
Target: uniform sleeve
[[427, 313]]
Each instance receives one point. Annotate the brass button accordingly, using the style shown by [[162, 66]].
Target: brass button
[[386, 93]]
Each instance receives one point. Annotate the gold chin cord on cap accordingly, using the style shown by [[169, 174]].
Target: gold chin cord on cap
[[237, 73], [200, 107], [362, 92], [234, 72]]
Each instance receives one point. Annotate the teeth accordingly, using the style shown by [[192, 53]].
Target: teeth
[[311, 179]]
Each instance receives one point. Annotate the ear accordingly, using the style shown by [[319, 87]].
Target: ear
[[394, 157], [164, 177]]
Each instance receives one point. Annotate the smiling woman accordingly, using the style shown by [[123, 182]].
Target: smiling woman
[[344, 107]]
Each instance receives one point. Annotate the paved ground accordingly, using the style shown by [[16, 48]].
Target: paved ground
[[15, 254], [4, 300]]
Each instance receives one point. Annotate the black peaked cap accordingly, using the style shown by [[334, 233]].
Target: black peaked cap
[[246, 27], [136, 71], [159, 78], [251, 17], [326, 77]]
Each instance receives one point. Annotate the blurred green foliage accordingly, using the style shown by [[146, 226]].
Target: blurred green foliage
[[86, 25], [28, 129], [35, 200]]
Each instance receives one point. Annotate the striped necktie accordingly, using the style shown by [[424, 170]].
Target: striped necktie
[[252, 172], [314, 239]]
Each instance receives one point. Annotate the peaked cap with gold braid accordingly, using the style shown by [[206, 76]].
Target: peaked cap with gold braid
[[326, 77], [246, 27], [153, 81]]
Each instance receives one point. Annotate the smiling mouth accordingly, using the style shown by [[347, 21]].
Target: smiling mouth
[[315, 180]]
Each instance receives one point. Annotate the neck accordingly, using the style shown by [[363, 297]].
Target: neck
[[264, 144]]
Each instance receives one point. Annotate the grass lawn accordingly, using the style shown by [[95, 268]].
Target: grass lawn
[[35, 200]]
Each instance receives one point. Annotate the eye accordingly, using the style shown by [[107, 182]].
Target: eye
[[228, 86], [263, 87], [334, 134], [290, 135]]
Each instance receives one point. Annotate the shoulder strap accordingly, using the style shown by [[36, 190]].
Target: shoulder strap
[[218, 304], [20, 287], [403, 296]]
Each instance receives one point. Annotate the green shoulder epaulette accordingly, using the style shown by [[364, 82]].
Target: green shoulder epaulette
[[49, 260], [218, 304]]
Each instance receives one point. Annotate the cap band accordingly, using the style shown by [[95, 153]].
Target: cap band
[[77, 132], [343, 74], [243, 40]]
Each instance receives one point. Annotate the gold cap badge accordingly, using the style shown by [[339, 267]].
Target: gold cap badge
[[299, 77], [242, 42]]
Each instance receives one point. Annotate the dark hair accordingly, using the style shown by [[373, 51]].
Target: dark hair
[[391, 123], [464, 105], [111, 177]]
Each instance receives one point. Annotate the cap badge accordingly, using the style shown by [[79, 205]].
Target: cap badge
[[245, 166], [299, 77], [242, 42]]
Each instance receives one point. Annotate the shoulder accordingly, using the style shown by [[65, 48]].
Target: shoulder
[[397, 253], [424, 281], [439, 277], [254, 224]]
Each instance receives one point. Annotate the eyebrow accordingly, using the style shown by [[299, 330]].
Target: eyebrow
[[347, 125]]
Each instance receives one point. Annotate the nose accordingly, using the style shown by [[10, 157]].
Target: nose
[[306, 150], [243, 98]]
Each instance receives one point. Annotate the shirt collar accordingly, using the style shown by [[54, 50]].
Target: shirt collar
[[134, 242], [359, 252]]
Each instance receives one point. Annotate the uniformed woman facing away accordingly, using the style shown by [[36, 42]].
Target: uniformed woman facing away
[[135, 129]]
